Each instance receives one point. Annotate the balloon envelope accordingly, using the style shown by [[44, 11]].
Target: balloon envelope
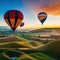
[[22, 24], [13, 18], [42, 16]]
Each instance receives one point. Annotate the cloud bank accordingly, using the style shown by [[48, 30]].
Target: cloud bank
[[51, 7]]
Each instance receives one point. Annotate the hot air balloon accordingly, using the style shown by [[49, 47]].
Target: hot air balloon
[[13, 18], [22, 24], [42, 16]]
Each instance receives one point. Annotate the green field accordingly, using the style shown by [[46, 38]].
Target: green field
[[30, 49]]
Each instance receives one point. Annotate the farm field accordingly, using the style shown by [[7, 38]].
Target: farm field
[[29, 46]]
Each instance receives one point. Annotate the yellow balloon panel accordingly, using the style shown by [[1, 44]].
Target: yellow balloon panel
[[41, 17], [18, 23], [7, 22], [12, 21]]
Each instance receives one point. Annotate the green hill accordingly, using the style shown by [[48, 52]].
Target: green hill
[[13, 54], [13, 45], [51, 48], [9, 39], [49, 51], [41, 56]]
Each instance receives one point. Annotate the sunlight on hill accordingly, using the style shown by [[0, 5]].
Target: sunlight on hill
[[41, 26]]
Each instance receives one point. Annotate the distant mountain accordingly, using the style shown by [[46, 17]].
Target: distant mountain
[[4, 28], [24, 30], [47, 30]]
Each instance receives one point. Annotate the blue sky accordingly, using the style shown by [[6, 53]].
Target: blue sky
[[6, 5], [30, 19]]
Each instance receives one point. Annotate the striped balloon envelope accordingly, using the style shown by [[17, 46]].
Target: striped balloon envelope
[[42, 16], [13, 18]]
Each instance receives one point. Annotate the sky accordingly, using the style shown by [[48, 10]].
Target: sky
[[30, 9]]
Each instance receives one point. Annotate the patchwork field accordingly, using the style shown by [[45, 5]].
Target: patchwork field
[[19, 48], [30, 46]]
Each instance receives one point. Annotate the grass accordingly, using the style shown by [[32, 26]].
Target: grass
[[13, 45], [41, 56], [18, 43], [47, 52], [51, 49], [6, 54], [9, 39], [14, 42], [26, 36]]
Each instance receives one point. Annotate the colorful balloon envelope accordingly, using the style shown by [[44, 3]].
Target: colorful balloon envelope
[[22, 24], [13, 18], [42, 16]]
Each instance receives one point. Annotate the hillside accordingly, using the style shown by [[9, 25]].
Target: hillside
[[47, 30], [4, 28], [51, 48], [31, 50], [17, 42], [13, 45], [9, 39]]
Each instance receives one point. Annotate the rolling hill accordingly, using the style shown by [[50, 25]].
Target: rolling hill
[[4, 28], [47, 30], [13, 54], [13, 45], [51, 48], [9, 39], [17, 42], [48, 51]]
